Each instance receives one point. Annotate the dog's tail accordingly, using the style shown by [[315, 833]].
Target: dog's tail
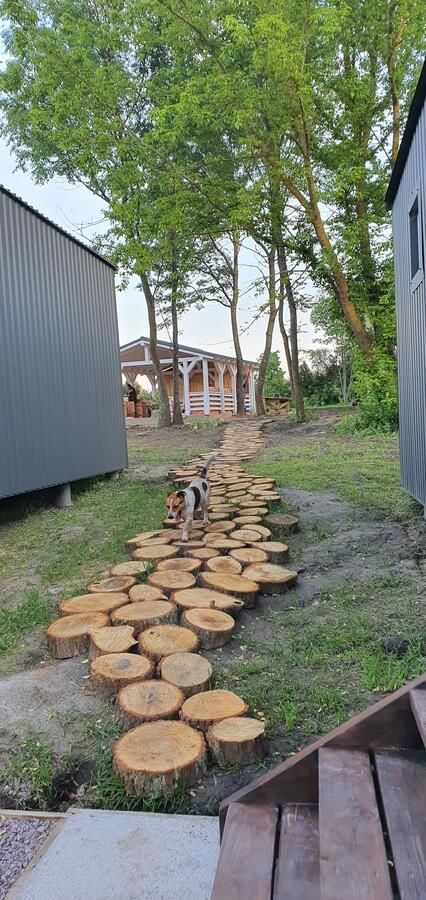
[[205, 466]]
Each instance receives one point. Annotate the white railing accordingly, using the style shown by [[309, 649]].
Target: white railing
[[216, 403]]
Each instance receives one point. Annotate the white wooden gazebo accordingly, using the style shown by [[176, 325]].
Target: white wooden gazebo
[[207, 380]]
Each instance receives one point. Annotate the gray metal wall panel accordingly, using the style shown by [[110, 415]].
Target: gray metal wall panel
[[411, 323], [61, 408]]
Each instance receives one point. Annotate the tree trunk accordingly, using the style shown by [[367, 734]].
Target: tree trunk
[[177, 409], [294, 343], [260, 406], [164, 417], [284, 336], [234, 325]]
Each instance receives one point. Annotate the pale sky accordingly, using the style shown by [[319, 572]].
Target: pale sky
[[74, 207]]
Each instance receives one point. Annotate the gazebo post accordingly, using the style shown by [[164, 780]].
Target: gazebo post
[[233, 370], [206, 394], [220, 369]]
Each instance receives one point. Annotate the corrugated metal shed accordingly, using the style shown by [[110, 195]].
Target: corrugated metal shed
[[61, 408], [407, 185]]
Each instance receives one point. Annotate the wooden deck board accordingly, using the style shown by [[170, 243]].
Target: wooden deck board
[[353, 863], [402, 781], [297, 869], [418, 705], [247, 856]]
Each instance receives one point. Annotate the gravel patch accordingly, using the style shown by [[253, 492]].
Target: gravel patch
[[20, 839]]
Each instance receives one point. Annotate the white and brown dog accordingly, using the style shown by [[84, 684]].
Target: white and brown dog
[[183, 504]]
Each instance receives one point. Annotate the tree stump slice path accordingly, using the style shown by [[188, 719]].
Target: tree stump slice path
[[205, 709], [205, 581], [204, 598], [93, 603], [110, 640], [188, 671], [145, 614], [223, 564], [271, 578], [237, 741], [119, 584], [158, 757], [239, 586], [113, 671], [69, 636], [212, 627], [147, 701], [163, 640], [172, 580]]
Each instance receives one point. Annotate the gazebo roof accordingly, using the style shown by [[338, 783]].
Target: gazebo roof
[[184, 351]]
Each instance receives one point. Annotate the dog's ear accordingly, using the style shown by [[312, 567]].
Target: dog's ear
[[181, 495], [170, 494]]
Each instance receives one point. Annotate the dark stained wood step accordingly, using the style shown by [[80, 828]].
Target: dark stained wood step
[[297, 867], [247, 855], [418, 705], [402, 781], [353, 863]]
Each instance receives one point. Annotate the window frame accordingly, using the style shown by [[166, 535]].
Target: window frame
[[418, 277]]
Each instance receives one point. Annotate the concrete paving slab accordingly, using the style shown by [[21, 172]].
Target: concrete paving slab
[[126, 856]]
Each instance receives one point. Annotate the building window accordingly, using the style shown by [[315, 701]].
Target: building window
[[414, 238]]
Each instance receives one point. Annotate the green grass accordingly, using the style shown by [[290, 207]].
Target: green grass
[[161, 456], [70, 546], [305, 671], [363, 470], [33, 611], [28, 774]]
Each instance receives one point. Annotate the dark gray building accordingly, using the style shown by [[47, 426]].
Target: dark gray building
[[61, 406], [406, 197]]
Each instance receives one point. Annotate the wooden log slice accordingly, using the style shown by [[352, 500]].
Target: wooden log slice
[[216, 516], [248, 520], [129, 568], [224, 564], [224, 545], [131, 543], [261, 511], [264, 532], [224, 508], [69, 636], [188, 671], [276, 551], [269, 496], [212, 627], [224, 526], [235, 495], [282, 525], [202, 553], [147, 701], [247, 536], [171, 580], [141, 592], [92, 603], [110, 640], [248, 556], [232, 585], [118, 585], [205, 709], [249, 504], [114, 671], [259, 479], [158, 757], [193, 544], [202, 598], [163, 640], [145, 614], [165, 537], [181, 564], [271, 579], [237, 741], [155, 553]]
